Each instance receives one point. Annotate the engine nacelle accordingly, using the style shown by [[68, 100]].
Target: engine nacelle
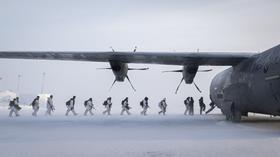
[[119, 69], [189, 72]]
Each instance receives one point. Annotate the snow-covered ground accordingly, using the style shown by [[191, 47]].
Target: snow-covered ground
[[150, 136]]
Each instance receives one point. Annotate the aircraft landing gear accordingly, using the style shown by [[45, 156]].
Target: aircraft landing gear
[[235, 114], [232, 113]]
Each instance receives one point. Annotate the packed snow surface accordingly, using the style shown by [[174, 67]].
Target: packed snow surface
[[140, 136]]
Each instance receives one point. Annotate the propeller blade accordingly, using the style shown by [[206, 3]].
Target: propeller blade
[[112, 84], [112, 49], [130, 83], [173, 71], [135, 48], [179, 85], [197, 87], [207, 70], [103, 68], [138, 68]]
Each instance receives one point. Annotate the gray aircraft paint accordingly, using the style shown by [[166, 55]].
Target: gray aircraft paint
[[242, 88], [218, 25], [253, 85]]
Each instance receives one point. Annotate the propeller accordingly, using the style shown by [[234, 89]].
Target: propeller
[[113, 84], [192, 83], [207, 70], [130, 83], [135, 48], [112, 49], [172, 71], [196, 86], [103, 68], [138, 68], [179, 85], [123, 65]]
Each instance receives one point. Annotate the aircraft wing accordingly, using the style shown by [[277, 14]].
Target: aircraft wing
[[168, 58]]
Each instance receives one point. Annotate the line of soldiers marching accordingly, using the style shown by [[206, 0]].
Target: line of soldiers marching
[[89, 106]]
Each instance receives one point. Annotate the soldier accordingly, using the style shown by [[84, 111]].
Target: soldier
[[125, 106], [89, 106], [201, 105], [108, 105], [11, 107], [212, 106], [50, 107], [162, 105], [35, 106], [187, 105], [14, 107], [191, 105], [145, 105], [70, 106]]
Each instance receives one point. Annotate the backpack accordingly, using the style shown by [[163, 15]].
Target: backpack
[[105, 103], [122, 102], [33, 102], [11, 103], [68, 103], [160, 105], [85, 103], [142, 103]]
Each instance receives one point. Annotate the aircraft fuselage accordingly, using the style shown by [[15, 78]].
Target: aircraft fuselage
[[252, 86]]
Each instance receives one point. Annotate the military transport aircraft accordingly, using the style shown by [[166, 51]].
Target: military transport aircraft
[[251, 84]]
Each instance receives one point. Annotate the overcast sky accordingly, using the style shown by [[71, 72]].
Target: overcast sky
[[152, 25]]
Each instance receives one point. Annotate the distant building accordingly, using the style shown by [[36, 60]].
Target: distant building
[[6, 96]]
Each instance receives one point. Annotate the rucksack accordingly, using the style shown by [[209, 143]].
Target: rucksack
[[160, 105], [33, 102], [11, 103], [142, 103], [85, 103], [68, 103], [105, 103]]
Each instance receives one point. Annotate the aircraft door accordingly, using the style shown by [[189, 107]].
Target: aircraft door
[[274, 86]]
